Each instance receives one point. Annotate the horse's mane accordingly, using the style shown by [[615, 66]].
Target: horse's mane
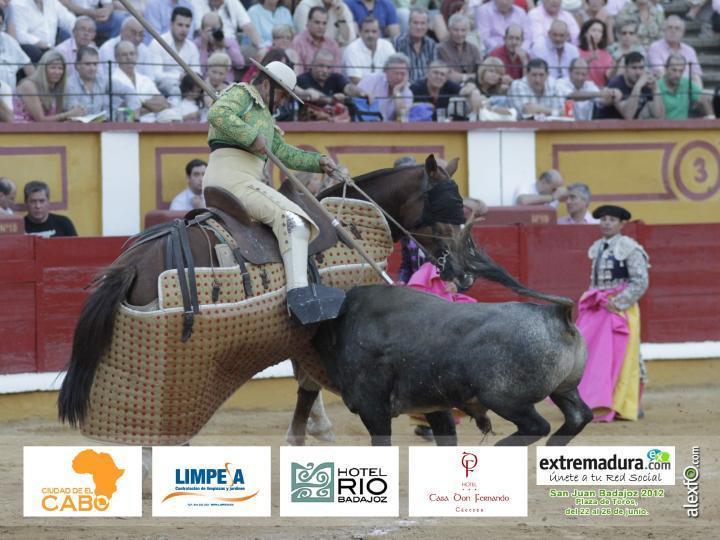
[[364, 178]]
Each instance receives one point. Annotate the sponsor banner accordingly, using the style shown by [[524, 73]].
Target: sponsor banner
[[468, 481], [606, 465], [211, 481], [339, 481], [76, 481]]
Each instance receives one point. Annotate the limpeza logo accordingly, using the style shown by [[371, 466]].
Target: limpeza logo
[[312, 483], [221, 484]]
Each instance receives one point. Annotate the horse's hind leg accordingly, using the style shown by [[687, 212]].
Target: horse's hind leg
[[577, 415], [443, 427], [309, 405], [531, 426]]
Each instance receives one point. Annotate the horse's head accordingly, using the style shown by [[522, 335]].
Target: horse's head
[[436, 213]]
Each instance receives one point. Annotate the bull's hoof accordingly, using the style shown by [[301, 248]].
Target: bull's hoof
[[425, 433], [484, 424]]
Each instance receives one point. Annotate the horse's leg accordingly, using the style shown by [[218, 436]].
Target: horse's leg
[[307, 407], [577, 415], [443, 427], [531, 426]]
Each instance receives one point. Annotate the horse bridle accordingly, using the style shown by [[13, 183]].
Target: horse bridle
[[440, 261]]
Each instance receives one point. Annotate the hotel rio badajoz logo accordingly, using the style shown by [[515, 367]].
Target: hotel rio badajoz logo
[[71, 481], [339, 481], [211, 481]]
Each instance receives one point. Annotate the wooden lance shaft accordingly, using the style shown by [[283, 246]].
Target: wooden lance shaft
[[342, 232]]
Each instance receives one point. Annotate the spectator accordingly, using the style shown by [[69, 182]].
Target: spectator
[[234, 17], [191, 107], [511, 53], [593, 45], [139, 5], [436, 88], [137, 91], [167, 72], [9, 26], [536, 93], [211, 39], [308, 42], [340, 24], [383, 10], [493, 18], [462, 57], [265, 15], [130, 30], [321, 85], [83, 35], [474, 209], [548, 190], [679, 95], [648, 18], [8, 191], [660, 51], [39, 221], [543, 16], [626, 42], [12, 57], [391, 87], [638, 87], [368, 53], [282, 37], [6, 102], [218, 70], [609, 320], [85, 88], [40, 97], [555, 49], [101, 12], [405, 161], [491, 83], [596, 9], [192, 196], [416, 45], [613, 7], [159, 13], [436, 21], [36, 28], [584, 92], [577, 202]]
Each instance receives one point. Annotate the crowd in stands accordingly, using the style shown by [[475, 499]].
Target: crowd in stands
[[366, 60]]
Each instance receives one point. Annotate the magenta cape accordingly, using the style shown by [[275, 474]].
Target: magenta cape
[[607, 335], [426, 279]]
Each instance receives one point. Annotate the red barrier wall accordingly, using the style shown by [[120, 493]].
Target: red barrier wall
[[42, 282]]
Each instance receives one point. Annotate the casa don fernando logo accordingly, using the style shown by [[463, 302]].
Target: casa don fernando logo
[[468, 461], [225, 484]]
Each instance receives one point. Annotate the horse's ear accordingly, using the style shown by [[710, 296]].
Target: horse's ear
[[431, 166], [452, 167]]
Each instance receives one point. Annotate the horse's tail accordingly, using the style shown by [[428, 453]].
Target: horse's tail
[[92, 337]]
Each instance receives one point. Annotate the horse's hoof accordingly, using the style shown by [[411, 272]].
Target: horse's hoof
[[321, 430], [294, 440]]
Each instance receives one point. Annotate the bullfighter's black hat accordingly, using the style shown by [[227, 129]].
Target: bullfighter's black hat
[[612, 210]]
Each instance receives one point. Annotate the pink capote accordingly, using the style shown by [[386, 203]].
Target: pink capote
[[426, 279], [607, 335]]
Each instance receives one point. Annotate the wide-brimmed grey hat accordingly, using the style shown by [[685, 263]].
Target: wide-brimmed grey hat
[[282, 74]]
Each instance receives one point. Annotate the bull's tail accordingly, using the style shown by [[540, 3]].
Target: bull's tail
[[93, 334], [475, 261]]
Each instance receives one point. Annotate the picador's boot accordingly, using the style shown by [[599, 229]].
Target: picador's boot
[[307, 303]]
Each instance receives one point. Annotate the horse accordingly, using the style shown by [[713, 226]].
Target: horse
[[133, 277], [396, 350]]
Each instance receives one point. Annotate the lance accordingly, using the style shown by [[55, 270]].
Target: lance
[[341, 231]]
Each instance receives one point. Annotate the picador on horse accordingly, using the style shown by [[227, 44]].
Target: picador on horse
[[242, 128]]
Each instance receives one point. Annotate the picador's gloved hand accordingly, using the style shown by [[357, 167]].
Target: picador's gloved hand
[[327, 165]]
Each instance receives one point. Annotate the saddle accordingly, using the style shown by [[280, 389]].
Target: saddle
[[256, 241]]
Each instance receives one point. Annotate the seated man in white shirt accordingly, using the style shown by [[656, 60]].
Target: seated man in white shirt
[[12, 57], [137, 91], [167, 72], [131, 30], [36, 28], [234, 17], [102, 12], [548, 190], [368, 53], [536, 94], [192, 196], [583, 92], [340, 23]]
